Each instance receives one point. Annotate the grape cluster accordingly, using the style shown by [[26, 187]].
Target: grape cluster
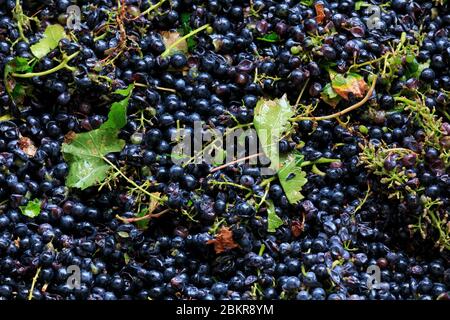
[[382, 201]]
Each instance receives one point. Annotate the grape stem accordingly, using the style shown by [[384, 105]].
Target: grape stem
[[134, 184], [319, 161], [150, 9], [235, 161], [60, 66], [342, 112], [147, 216], [183, 38], [33, 284]]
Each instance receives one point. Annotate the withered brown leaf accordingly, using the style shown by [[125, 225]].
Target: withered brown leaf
[[223, 240], [27, 146]]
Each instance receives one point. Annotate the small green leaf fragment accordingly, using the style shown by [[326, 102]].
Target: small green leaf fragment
[[273, 221], [414, 69], [186, 28], [329, 96], [360, 4], [270, 37], [32, 209], [142, 224], [307, 3], [18, 64], [292, 177], [117, 116], [6, 117]]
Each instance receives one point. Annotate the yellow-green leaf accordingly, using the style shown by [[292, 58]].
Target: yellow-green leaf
[[52, 35], [271, 121]]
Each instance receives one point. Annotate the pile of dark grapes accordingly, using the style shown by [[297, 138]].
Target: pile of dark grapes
[[382, 203]]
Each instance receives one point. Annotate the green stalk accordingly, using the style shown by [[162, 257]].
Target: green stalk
[[60, 66], [130, 181], [33, 283], [316, 170], [18, 13], [150, 9], [406, 100], [342, 112], [183, 38], [319, 161]]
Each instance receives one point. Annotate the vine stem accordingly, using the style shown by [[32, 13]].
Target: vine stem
[[227, 183], [399, 150], [406, 100], [342, 112], [363, 201], [150, 9], [316, 170], [235, 161], [19, 23], [60, 66], [267, 181], [319, 161], [134, 184], [147, 216], [356, 66], [183, 38], [301, 93], [33, 284]]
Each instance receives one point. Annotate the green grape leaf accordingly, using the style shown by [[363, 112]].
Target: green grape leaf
[[292, 177], [186, 28], [16, 90], [414, 69], [85, 156], [117, 116], [142, 224], [32, 209], [52, 35], [270, 37], [273, 221], [271, 121], [86, 151]]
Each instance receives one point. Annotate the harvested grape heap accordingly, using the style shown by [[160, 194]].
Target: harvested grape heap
[[353, 94]]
